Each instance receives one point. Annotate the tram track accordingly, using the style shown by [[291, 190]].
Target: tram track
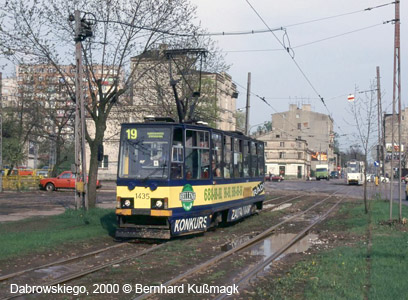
[[74, 275], [82, 272], [85, 255], [244, 279], [246, 245]]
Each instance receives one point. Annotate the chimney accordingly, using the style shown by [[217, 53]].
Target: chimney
[[292, 107], [307, 107]]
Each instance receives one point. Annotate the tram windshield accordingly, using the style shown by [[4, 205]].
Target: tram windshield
[[353, 167], [144, 153]]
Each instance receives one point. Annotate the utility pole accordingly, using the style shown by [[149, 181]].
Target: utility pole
[[81, 182], [78, 91], [248, 104], [379, 126], [397, 93], [1, 132]]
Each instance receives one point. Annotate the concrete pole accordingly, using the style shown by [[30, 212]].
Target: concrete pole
[[1, 132], [248, 104], [397, 93], [78, 88], [379, 126]]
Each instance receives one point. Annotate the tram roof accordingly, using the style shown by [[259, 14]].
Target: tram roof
[[189, 125]]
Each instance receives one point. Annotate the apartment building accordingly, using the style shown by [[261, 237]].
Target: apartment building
[[286, 156], [153, 95], [316, 129], [387, 126]]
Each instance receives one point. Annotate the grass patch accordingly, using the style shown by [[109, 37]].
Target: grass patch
[[342, 273], [44, 233]]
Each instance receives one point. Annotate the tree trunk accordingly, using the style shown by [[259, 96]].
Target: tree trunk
[[93, 174], [365, 185], [100, 127]]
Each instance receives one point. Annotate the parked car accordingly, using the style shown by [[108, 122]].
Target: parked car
[[404, 178], [273, 177], [44, 171], [384, 179], [24, 171], [66, 180], [370, 178], [334, 174]]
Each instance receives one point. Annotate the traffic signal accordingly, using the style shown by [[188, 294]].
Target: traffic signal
[[85, 30]]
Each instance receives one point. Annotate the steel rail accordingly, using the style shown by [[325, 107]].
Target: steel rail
[[261, 266], [92, 270], [248, 243], [280, 203], [61, 261]]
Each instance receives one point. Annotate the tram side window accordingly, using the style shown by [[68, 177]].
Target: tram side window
[[197, 159], [177, 154], [237, 158], [246, 155], [216, 155], [228, 166], [261, 159], [254, 160]]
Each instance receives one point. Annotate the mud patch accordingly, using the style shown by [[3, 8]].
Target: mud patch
[[31, 213]]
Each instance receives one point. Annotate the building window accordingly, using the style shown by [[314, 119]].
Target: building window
[[282, 144], [297, 116], [282, 155], [104, 163], [299, 137], [300, 155], [299, 125], [278, 135]]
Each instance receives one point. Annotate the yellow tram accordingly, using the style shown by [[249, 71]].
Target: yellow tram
[[179, 178]]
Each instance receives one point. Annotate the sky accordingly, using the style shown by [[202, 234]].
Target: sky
[[334, 67]]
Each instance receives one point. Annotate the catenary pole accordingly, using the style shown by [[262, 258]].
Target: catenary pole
[[248, 104], [1, 132], [397, 94], [379, 127], [78, 88]]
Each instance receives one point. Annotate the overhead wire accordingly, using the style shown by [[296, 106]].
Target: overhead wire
[[274, 109], [244, 32], [289, 50]]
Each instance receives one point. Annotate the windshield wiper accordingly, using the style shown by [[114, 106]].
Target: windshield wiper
[[163, 167]]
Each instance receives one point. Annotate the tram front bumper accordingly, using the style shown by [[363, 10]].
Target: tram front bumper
[[143, 233], [146, 212]]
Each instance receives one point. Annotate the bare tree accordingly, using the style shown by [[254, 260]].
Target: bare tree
[[39, 32], [363, 110]]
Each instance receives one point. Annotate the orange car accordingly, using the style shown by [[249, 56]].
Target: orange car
[[66, 180], [23, 171]]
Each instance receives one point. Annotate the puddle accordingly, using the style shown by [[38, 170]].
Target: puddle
[[272, 244], [237, 242], [283, 206], [279, 207], [53, 271]]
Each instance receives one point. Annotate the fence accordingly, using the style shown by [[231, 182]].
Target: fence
[[21, 183]]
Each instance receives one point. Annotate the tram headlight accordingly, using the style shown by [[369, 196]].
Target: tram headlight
[[159, 203], [126, 202]]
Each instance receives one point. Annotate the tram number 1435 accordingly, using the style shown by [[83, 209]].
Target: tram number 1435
[[238, 213]]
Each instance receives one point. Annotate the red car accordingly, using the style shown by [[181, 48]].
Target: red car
[[273, 177], [66, 180]]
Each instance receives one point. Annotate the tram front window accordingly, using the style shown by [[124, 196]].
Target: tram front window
[[144, 153]]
